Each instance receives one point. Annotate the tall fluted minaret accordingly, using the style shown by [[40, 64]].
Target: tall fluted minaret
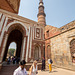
[[41, 14]]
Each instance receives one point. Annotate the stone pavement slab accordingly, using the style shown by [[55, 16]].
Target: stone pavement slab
[[57, 71]]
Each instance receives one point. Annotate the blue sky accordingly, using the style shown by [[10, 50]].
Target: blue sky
[[58, 12], [13, 45]]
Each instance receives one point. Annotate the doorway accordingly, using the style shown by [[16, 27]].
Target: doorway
[[14, 36]]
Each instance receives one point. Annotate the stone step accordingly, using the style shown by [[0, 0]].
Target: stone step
[[7, 70]]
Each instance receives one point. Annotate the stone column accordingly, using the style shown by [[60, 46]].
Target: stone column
[[30, 44], [1, 37], [2, 21], [3, 48], [27, 46], [23, 51], [39, 53]]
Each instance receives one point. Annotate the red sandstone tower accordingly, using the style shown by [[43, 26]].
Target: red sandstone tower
[[41, 14]]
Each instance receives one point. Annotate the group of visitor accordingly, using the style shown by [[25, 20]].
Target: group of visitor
[[33, 69], [22, 71], [14, 60], [8, 60]]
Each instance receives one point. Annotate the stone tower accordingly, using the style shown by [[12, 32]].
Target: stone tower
[[41, 14]]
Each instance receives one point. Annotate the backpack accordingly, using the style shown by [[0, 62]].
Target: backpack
[[51, 61]]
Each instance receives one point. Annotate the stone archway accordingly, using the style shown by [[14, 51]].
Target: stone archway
[[15, 33], [36, 53], [14, 36], [20, 24], [72, 49]]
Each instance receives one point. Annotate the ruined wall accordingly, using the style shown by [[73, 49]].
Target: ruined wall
[[60, 49]]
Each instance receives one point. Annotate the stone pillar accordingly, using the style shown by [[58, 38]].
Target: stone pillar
[[27, 46], [2, 21], [40, 55], [3, 48], [30, 44], [1, 37], [23, 51]]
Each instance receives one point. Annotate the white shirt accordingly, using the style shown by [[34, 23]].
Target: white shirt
[[49, 61], [19, 71], [34, 70]]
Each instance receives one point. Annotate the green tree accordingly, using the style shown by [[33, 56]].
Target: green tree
[[11, 51]]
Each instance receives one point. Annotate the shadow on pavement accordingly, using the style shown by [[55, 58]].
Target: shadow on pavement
[[54, 71]]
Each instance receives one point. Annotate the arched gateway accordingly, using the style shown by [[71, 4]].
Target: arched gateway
[[15, 32], [24, 32]]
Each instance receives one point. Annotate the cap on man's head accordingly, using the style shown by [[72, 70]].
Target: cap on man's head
[[23, 62]]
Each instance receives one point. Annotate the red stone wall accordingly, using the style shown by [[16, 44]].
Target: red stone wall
[[4, 5], [10, 5], [52, 31]]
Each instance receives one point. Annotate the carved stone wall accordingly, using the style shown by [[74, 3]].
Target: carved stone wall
[[10, 5], [32, 32], [14, 4]]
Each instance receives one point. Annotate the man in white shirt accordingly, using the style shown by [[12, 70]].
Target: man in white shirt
[[21, 69], [49, 61]]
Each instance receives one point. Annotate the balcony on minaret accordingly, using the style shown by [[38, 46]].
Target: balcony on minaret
[[41, 4]]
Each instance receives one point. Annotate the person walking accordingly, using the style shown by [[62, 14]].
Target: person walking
[[50, 64], [33, 69], [14, 60], [43, 63], [9, 60], [21, 69]]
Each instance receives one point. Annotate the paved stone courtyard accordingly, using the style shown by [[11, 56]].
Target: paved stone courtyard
[[57, 71]]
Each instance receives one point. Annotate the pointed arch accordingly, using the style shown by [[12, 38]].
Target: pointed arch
[[37, 52], [16, 23], [72, 49]]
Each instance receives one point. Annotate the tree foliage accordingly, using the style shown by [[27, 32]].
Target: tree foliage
[[11, 51]]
